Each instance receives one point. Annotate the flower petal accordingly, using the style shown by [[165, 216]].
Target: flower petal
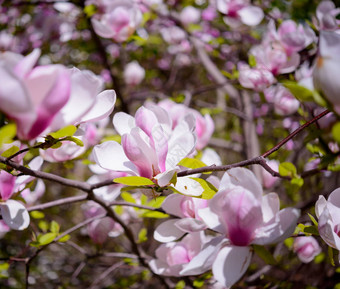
[[15, 215], [168, 232]]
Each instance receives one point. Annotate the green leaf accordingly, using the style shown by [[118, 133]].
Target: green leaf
[[90, 10], [37, 215], [289, 242], [209, 189], [11, 151], [180, 285], [252, 60], [320, 258], [134, 181], [311, 230], [7, 133], [43, 225], [331, 256], [57, 145], [297, 181], [142, 236], [4, 266], [336, 132], [77, 141], [313, 220], [127, 197], [300, 92], [54, 227], [46, 238], [64, 132], [287, 169], [156, 202], [264, 254], [64, 239], [192, 163], [155, 215]]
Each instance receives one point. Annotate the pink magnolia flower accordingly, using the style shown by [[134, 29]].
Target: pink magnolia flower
[[284, 102], [243, 216], [173, 257], [150, 147], [306, 247], [119, 20], [237, 11], [186, 208], [133, 73], [255, 78], [268, 180], [327, 67], [204, 126], [326, 13], [49, 97], [190, 15], [327, 212]]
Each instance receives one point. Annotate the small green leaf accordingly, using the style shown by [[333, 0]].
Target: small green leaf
[[336, 132], [134, 181], [37, 215], [127, 197], [209, 189], [11, 151], [64, 132], [287, 169], [311, 230], [313, 220], [64, 239], [90, 10], [46, 238], [7, 133], [155, 215], [156, 202], [4, 266], [77, 141], [180, 285], [43, 225], [331, 256], [264, 254], [320, 258], [57, 145], [142, 236], [252, 60], [300, 92], [289, 242], [297, 181], [54, 227], [191, 163]]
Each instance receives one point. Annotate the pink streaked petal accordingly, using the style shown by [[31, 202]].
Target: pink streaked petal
[[110, 155], [102, 29], [7, 183], [281, 228], [123, 122], [15, 215], [270, 206], [160, 143], [320, 205], [190, 225], [212, 220], [168, 232], [27, 63], [251, 15], [145, 119], [230, 264], [204, 260], [326, 229], [103, 107], [172, 205]]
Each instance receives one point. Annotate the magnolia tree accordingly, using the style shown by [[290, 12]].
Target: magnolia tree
[[169, 144]]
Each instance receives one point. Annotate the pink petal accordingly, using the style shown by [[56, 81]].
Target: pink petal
[[7, 183], [172, 205], [251, 15], [190, 225], [123, 122], [27, 63], [167, 232]]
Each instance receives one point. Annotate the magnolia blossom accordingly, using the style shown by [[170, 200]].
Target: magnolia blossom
[[119, 21], [190, 15], [173, 257], [150, 147], [328, 213], [133, 73], [284, 102], [243, 216], [204, 124], [255, 78], [49, 97], [237, 11], [268, 180], [327, 68], [306, 248], [326, 13], [186, 208]]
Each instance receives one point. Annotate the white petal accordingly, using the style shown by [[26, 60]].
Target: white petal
[[251, 15], [167, 232], [190, 225], [188, 187], [212, 220], [15, 215], [231, 263], [172, 205], [123, 122]]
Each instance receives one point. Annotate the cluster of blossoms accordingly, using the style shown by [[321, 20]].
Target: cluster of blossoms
[[157, 146]]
